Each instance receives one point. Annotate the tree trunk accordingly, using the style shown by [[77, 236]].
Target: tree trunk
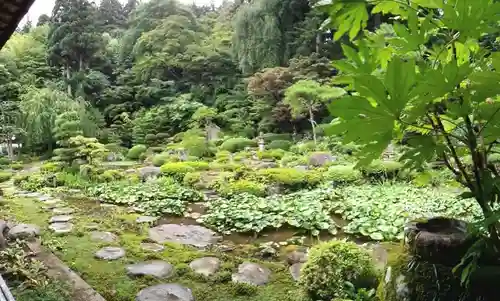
[[311, 119], [68, 78], [318, 41], [10, 149]]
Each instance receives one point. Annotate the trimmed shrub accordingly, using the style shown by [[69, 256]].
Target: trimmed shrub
[[155, 149], [51, 167], [240, 156], [342, 174], [222, 157], [290, 159], [225, 166], [383, 169], [244, 186], [4, 161], [17, 166], [160, 159], [5, 176], [275, 154], [136, 152], [111, 175], [270, 137], [237, 144], [197, 147], [178, 170], [330, 265], [279, 144], [290, 177], [191, 178]]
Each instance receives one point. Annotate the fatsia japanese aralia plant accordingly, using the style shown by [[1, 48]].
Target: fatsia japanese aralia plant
[[426, 70]]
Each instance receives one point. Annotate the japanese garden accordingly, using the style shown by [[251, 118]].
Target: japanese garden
[[257, 150]]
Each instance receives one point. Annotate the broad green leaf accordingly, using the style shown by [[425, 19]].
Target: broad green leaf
[[377, 236], [350, 17], [429, 3], [399, 80]]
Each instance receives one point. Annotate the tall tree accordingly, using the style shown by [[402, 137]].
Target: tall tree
[[111, 14], [42, 20], [74, 37], [9, 107]]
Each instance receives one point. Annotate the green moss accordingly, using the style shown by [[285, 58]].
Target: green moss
[[109, 277]]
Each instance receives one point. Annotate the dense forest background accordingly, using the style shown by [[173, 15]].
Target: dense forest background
[[144, 72]]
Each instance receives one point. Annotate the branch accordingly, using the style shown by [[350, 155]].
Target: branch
[[460, 166]]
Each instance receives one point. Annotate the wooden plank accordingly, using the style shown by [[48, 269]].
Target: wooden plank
[[5, 290]]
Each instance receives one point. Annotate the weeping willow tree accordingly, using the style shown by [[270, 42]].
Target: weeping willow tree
[[264, 32]]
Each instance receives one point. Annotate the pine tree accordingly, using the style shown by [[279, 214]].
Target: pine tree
[[74, 37], [42, 20], [111, 14]]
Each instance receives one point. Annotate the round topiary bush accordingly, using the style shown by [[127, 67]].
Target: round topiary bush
[[269, 137], [237, 144], [331, 264], [342, 174], [280, 144], [160, 159], [5, 176], [136, 152]]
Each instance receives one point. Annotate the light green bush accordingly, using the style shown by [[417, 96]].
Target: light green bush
[[136, 152], [222, 157], [290, 177], [331, 264], [111, 175], [4, 161], [342, 174], [5, 176], [51, 167], [178, 170], [279, 144], [290, 159], [155, 149], [191, 178], [383, 169], [243, 186], [225, 166], [17, 166], [275, 154], [160, 159], [237, 144], [197, 147]]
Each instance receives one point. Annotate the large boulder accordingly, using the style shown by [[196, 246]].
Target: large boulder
[[205, 266], [192, 235], [165, 292], [321, 159], [24, 231], [149, 172], [295, 271], [251, 273], [155, 268]]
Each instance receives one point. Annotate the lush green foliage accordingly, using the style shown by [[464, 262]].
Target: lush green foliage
[[237, 144], [158, 197], [136, 151], [279, 144], [290, 177], [331, 264], [380, 212], [243, 186], [179, 169], [342, 174], [307, 210], [5, 176]]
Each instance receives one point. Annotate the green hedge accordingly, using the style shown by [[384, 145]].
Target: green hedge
[[237, 144], [178, 170], [342, 174], [136, 152], [290, 178], [269, 137], [280, 144]]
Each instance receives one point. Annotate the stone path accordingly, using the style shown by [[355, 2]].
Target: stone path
[[165, 292], [110, 253], [251, 273], [24, 231], [61, 228], [196, 236], [60, 219], [103, 236], [206, 266], [156, 268], [152, 247]]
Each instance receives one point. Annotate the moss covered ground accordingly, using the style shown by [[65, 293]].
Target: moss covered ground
[[109, 277]]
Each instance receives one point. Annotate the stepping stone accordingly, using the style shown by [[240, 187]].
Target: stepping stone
[[156, 268], [206, 266], [251, 273], [61, 228], [192, 235], [295, 270], [152, 247], [24, 231], [60, 219], [44, 198], [103, 236], [63, 211], [92, 226], [52, 202], [296, 257], [146, 219], [110, 253], [165, 292]]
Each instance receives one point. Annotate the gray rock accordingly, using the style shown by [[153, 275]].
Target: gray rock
[[321, 159], [103, 236], [251, 273], [165, 292], [195, 215], [205, 266], [295, 270], [144, 219], [61, 228], [110, 253], [156, 268], [296, 257], [149, 172], [63, 211], [44, 198], [24, 231], [152, 247], [60, 219], [196, 236]]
